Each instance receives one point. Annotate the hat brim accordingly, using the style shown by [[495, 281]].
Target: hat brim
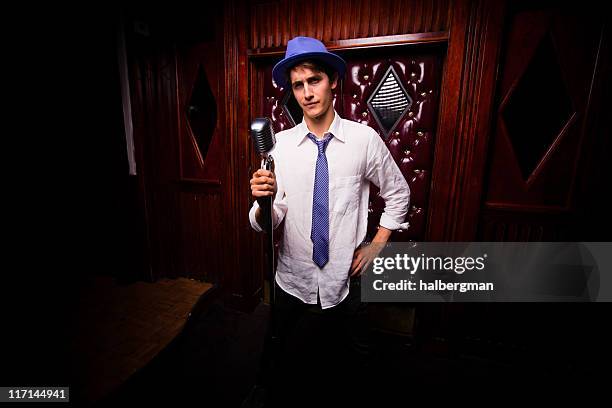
[[278, 72]]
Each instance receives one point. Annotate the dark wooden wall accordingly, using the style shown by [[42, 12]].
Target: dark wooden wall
[[176, 80], [194, 170], [549, 96], [273, 23]]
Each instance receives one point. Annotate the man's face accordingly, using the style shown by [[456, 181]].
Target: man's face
[[312, 90]]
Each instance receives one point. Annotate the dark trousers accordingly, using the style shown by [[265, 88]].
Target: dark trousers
[[330, 345]]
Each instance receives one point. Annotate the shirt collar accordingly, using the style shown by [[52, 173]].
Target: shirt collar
[[335, 129]]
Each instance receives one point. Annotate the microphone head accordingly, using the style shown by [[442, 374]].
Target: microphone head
[[262, 135]]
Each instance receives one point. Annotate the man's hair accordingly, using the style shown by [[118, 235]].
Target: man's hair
[[316, 66]]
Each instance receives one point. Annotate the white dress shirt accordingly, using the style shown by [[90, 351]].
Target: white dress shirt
[[356, 155]]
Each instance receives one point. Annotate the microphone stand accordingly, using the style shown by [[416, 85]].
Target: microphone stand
[[263, 139], [267, 163]]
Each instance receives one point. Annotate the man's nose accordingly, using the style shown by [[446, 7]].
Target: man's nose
[[308, 92]]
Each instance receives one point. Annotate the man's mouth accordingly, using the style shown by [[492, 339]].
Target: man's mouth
[[311, 104]]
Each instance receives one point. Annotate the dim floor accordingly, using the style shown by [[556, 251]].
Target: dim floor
[[213, 363], [122, 327]]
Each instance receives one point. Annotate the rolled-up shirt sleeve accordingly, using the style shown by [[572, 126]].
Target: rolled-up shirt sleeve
[[382, 170], [280, 207]]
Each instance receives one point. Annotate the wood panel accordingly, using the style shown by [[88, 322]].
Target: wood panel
[[181, 183], [198, 67], [550, 79], [151, 72], [202, 243], [199, 244], [273, 23], [468, 85], [513, 225], [243, 276]]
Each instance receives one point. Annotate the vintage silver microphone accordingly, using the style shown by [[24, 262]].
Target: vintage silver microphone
[[264, 140], [263, 136]]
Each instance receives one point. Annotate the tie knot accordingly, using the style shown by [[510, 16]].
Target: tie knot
[[321, 143]]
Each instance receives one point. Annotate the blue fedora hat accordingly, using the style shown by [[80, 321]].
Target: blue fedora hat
[[303, 48]]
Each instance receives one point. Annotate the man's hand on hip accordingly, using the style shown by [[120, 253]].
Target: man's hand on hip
[[363, 256]]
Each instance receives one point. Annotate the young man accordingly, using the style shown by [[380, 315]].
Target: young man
[[320, 188]]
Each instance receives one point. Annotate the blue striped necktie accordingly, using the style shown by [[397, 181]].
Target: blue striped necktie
[[320, 204]]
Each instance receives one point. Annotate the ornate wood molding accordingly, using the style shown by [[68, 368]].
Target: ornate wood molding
[[465, 119], [242, 286]]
